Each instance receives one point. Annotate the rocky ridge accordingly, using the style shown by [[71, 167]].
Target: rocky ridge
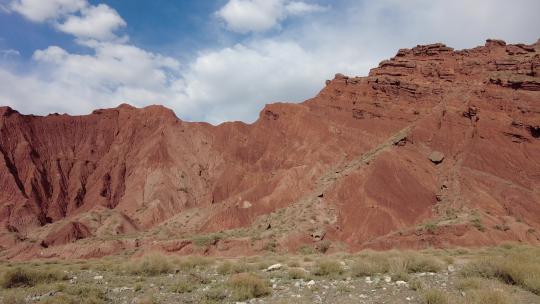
[[348, 169]]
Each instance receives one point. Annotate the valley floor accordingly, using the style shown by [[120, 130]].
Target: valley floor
[[497, 275]]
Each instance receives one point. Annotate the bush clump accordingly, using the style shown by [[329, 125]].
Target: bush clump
[[434, 296], [246, 286], [516, 269], [328, 268], [24, 277], [297, 273], [150, 265]]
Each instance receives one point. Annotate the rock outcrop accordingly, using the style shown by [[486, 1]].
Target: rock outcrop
[[350, 162]]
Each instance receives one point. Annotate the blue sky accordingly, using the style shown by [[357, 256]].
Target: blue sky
[[222, 60]]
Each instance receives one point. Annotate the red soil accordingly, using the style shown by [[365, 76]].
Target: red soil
[[352, 163]]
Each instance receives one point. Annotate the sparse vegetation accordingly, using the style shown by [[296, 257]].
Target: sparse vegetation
[[297, 273], [150, 265], [207, 239], [25, 277], [431, 227], [328, 268], [477, 223], [184, 285], [229, 267], [522, 268], [245, 286], [488, 296], [434, 296], [506, 274]]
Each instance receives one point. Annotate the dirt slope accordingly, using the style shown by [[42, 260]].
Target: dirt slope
[[435, 147]]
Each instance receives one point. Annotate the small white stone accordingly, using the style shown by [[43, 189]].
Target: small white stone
[[310, 283], [451, 268], [387, 279], [401, 283], [274, 267], [98, 277]]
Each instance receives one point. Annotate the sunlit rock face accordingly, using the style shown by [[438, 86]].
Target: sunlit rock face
[[435, 147]]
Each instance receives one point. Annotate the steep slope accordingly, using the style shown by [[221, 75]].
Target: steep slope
[[350, 167]]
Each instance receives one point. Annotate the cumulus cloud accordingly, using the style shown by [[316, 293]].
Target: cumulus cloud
[[74, 17], [260, 15], [234, 82], [97, 22], [42, 10]]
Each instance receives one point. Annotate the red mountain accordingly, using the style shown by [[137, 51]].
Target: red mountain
[[435, 147]]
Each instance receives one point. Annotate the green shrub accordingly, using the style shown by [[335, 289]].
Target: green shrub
[[207, 239]]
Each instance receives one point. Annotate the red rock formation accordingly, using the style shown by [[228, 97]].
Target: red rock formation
[[350, 166]]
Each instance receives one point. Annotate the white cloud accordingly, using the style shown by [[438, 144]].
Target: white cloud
[[260, 15], [42, 10], [300, 8], [74, 17], [233, 82], [97, 22], [6, 54]]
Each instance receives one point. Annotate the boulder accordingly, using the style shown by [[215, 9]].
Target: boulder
[[436, 157]]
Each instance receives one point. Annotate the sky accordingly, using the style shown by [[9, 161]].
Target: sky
[[222, 60]]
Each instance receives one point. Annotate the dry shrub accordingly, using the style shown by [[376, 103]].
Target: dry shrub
[[517, 268], [150, 265], [487, 296], [192, 262], [434, 296], [229, 267], [246, 286], [24, 277], [328, 268], [297, 273]]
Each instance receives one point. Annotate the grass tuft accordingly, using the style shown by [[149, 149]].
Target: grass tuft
[[24, 277], [329, 268], [150, 265], [246, 286], [434, 296]]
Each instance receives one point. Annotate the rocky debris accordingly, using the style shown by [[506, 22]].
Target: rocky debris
[[471, 113], [436, 157], [274, 267], [318, 234]]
